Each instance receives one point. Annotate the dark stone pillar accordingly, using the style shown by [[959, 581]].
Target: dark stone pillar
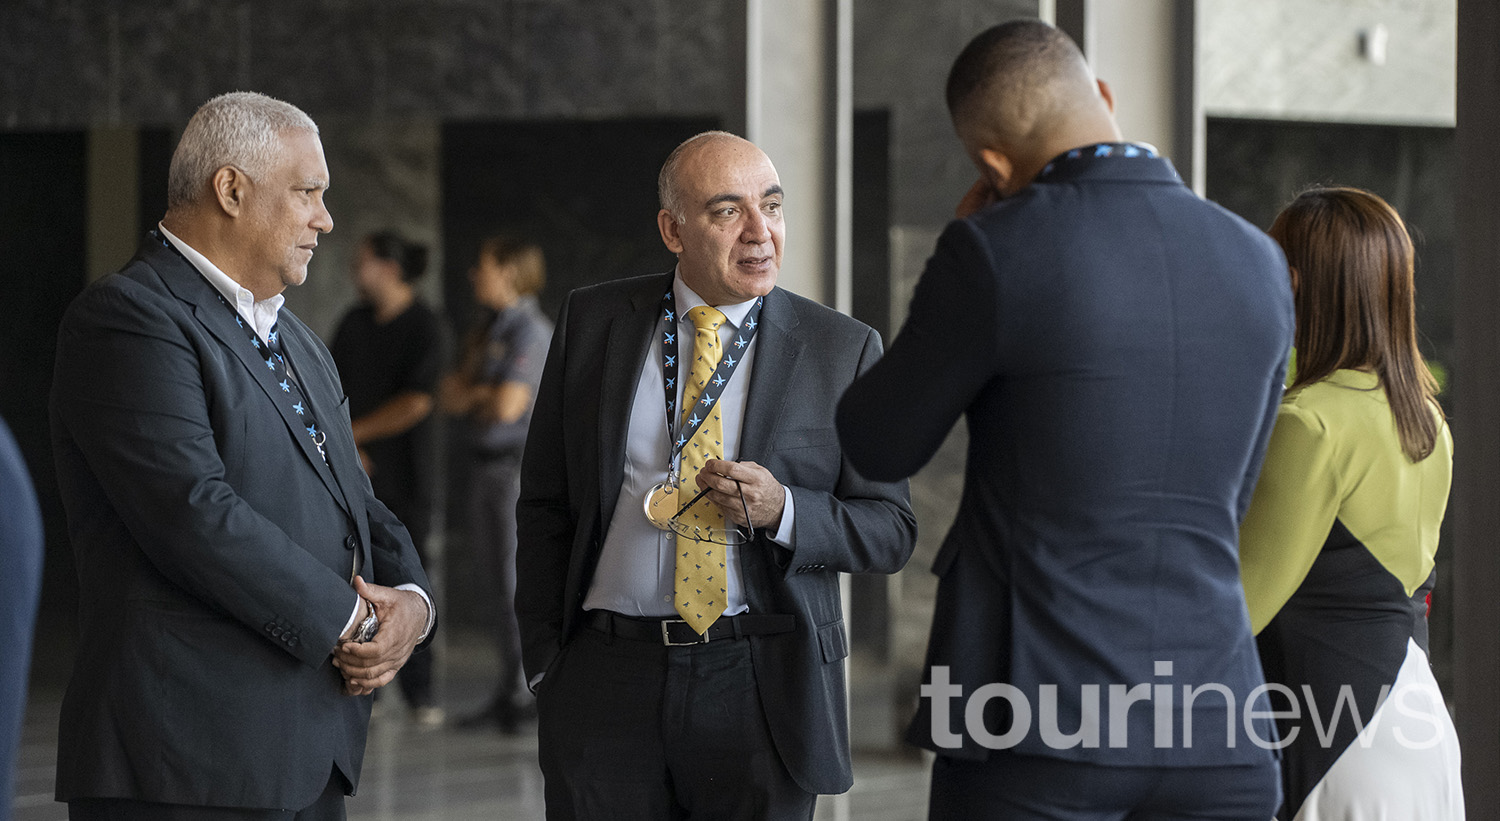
[[1476, 486]]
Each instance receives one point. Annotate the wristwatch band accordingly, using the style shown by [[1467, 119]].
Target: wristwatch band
[[367, 628]]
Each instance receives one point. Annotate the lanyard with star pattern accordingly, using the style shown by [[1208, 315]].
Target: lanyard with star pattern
[[275, 358], [679, 436], [271, 353], [1098, 150]]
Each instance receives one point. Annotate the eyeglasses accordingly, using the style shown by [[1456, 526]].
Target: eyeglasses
[[729, 534]]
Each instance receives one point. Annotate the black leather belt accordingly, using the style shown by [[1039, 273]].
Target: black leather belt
[[676, 632]]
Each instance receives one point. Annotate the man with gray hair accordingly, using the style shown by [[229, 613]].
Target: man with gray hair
[[242, 592]]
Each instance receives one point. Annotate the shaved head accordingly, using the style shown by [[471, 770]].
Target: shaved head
[[669, 184], [1020, 84]]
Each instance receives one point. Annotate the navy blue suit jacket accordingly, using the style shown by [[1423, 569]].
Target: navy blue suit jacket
[[20, 587], [1118, 346], [214, 550]]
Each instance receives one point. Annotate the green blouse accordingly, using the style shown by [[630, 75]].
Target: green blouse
[[1335, 456]]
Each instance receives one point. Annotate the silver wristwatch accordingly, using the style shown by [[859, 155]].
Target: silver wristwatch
[[367, 628]]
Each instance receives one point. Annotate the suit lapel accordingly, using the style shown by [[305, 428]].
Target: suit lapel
[[629, 341], [777, 352], [188, 285]]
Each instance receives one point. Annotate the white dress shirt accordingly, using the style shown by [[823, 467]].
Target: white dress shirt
[[637, 562], [262, 316]]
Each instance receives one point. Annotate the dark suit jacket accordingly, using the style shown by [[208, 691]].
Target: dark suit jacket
[[1117, 345], [806, 355], [214, 550], [20, 587]]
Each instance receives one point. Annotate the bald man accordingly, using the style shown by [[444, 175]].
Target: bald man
[[1117, 346], [687, 654]]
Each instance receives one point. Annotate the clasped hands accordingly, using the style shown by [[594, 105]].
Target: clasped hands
[[373, 664], [764, 496]]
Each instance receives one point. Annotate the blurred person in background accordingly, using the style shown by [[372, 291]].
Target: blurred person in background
[[389, 354], [493, 391]]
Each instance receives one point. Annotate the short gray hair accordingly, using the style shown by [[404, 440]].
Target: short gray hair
[[241, 129], [668, 187]]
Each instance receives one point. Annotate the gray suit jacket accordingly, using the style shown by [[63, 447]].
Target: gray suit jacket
[[214, 550], [571, 474]]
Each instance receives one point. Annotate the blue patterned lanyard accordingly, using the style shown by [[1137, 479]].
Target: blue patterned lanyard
[[672, 371], [1099, 150], [272, 354]]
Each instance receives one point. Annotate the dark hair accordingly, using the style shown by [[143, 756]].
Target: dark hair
[[391, 246], [524, 256], [1356, 302], [1010, 75]]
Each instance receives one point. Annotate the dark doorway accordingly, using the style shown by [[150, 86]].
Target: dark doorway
[[43, 232], [586, 192], [1255, 167]]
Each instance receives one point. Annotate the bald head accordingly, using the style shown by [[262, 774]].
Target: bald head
[[670, 182], [1024, 86]]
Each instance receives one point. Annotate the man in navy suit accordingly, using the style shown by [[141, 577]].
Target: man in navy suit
[[644, 712], [242, 591], [20, 587], [1117, 346]]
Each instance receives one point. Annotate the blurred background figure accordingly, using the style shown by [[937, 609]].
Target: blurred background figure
[[389, 354], [1337, 549], [493, 390], [20, 584]]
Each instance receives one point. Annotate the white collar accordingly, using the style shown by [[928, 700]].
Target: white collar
[[687, 300], [261, 315]]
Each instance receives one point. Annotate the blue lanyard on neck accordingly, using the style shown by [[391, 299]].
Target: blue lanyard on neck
[[680, 435]]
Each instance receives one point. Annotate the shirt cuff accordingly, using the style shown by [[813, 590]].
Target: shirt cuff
[[784, 533], [353, 617], [431, 611]]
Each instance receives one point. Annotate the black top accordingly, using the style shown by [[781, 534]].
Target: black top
[[377, 362]]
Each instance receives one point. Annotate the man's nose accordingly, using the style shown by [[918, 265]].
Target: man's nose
[[323, 220], [755, 229]]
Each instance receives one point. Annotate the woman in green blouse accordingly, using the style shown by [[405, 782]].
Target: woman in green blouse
[[1337, 548]]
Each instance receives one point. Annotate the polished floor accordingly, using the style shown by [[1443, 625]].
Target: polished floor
[[413, 773]]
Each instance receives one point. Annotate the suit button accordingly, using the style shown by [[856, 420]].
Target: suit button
[[276, 632], [270, 625], [350, 542], [291, 641]]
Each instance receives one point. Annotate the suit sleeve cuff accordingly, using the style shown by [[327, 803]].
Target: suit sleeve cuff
[[431, 611]]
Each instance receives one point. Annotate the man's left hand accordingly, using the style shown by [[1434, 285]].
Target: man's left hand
[[764, 496], [373, 664]]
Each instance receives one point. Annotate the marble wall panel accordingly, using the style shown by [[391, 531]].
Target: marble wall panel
[[1303, 60]]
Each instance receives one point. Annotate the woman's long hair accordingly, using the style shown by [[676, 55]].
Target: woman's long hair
[[1352, 264]]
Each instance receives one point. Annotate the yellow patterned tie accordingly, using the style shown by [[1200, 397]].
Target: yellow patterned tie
[[699, 583]]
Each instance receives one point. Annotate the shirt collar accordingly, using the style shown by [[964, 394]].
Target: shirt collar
[[1099, 151], [687, 300], [261, 315]]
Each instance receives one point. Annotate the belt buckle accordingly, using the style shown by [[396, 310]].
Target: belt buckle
[[666, 635]]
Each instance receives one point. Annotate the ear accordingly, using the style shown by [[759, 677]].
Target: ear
[[996, 166], [1296, 278], [1109, 96], [230, 187], [670, 233]]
